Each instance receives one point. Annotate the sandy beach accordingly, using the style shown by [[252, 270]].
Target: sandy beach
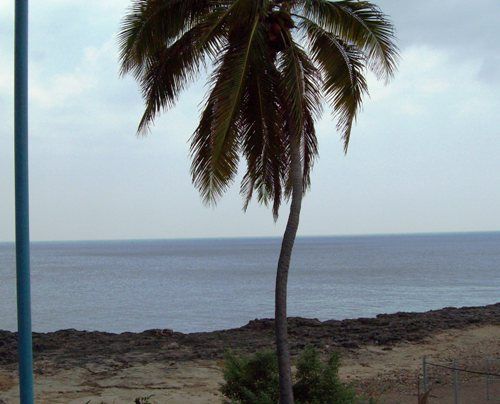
[[381, 356]]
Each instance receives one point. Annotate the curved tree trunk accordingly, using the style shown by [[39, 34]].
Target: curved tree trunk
[[281, 326]]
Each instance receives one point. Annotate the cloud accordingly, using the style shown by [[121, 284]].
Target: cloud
[[59, 89], [87, 79], [427, 75], [468, 29]]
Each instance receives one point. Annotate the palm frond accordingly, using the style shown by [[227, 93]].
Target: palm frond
[[309, 149], [209, 177], [359, 23], [342, 67], [300, 83], [262, 139], [230, 81], [215, 164], [167, 72], [151, 25], [302, 99]]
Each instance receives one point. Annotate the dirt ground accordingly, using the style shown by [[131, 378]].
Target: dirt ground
[[386, 373]]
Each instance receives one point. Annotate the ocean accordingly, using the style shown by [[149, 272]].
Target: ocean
[[209, 284]]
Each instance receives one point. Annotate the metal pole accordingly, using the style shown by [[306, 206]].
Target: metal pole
[[455, 382], [487, 379], [418, 388], [25, 349], [424, 371]]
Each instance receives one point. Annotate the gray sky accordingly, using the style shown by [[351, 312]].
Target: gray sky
[[424, 155]]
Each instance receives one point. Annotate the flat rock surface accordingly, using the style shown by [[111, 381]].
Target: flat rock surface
[[73, 347]]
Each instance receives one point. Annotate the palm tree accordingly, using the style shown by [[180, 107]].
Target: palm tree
[[272, 65]]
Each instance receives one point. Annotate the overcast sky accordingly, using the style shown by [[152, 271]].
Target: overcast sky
[[424, 155]]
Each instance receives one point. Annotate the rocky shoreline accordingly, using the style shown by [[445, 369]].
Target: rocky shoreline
[[69, 348]]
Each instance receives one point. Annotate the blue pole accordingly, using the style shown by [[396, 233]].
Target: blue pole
[[25, 349]]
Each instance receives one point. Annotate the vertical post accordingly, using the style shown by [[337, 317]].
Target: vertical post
[[25, 349], [418, 387], [487, 379], [424, 371], [455, 382]]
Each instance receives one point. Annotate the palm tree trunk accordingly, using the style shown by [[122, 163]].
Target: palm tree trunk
[[281, 326]]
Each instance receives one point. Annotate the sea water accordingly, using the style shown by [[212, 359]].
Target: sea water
[[202, 285]]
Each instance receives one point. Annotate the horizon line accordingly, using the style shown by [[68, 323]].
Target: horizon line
[[419, 233]]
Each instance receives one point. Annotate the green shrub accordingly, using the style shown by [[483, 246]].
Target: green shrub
[[251, 379], [255, 380], [318, 382]]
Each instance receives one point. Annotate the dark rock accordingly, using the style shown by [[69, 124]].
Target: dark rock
[[71, 347], [349, 345]]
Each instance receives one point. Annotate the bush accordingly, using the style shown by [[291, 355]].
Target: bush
[[319, 383], [251, 379], [255, 380]]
